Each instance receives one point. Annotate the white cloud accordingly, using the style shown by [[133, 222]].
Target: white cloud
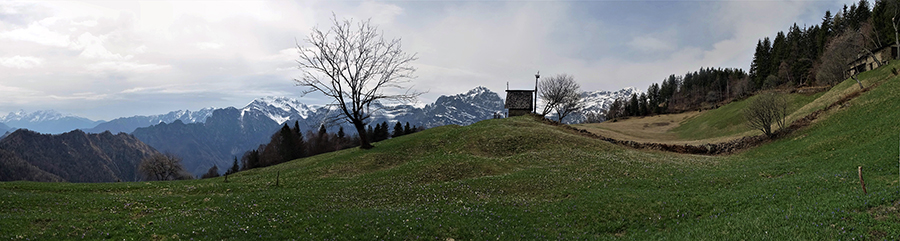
[[21, 62], [650, 44], [93, 48], [39, 33], [86, 23], [380, 13], [125, 67], [209, 46]]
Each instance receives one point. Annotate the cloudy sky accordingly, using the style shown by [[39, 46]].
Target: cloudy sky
[[108, 59]]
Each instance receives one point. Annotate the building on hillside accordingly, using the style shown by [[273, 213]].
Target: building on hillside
[[866, 62], [519, 102]]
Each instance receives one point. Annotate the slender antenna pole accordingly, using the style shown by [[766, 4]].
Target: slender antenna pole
[[536, 77]]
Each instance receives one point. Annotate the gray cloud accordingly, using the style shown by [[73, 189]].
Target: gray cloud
[[103, 60]]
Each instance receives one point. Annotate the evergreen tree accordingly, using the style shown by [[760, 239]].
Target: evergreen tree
[[384, 134], [234, 167], [323, 142], [398, 130], [341, 139], [406, 129], [250, 160], [300, 144], [653, 98], [643, 107], [341, 134], [287, 147], [377, 134], [370, 134], [633, 106]]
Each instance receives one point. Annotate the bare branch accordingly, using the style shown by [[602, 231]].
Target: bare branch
[[354, 65], [560, 93]]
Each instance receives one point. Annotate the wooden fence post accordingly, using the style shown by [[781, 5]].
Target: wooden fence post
[[861, 182]]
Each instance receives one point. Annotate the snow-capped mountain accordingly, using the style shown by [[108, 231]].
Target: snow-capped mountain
[[229, 132], [475, 105], [129, 124], [279, 109], [46, 121], [601, 100], [462, 109], [597, 101]]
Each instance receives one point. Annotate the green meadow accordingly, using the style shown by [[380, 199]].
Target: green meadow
[[519, 178]]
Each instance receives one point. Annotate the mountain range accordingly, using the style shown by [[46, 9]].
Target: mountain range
[[129, 124], [597, 101], [229, 132], [208, 137], [46, 121]]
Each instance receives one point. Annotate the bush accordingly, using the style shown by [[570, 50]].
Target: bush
[[766, 110]]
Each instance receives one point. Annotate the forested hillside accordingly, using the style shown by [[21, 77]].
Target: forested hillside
[[73, 156]]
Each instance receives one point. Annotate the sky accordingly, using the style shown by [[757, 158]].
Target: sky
[[109, 59]]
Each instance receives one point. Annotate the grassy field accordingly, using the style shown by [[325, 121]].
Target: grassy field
[[725, 123], [510, 179], [698, 127]]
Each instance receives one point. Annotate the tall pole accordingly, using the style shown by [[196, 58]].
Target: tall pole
[[536, 77]]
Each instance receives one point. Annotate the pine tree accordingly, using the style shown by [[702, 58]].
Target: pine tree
[[377, 133], [234, 167], [633, 106], [398, 130], [653, 98], [287, 147], [643, 107], [341, 139], [385, 133], [323, 143], [370, 134], [406, 129], [300, 144]]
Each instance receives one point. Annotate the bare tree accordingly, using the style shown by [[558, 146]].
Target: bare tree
[[766, 110], [870, 40], [353, 64], [570, 105], [162, 167], [841, 50], [560, 93]]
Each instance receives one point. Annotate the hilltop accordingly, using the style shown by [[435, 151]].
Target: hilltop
[[514, 178]]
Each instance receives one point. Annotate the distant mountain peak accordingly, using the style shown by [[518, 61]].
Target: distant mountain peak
[[278, 108], [40, 115], [478, 90]]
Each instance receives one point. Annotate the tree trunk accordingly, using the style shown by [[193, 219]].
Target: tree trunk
[[363, 137], [896, 39], [857, 81], [877, 61]]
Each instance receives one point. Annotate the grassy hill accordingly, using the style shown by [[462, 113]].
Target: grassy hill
[[725, 123], [512, 179]]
